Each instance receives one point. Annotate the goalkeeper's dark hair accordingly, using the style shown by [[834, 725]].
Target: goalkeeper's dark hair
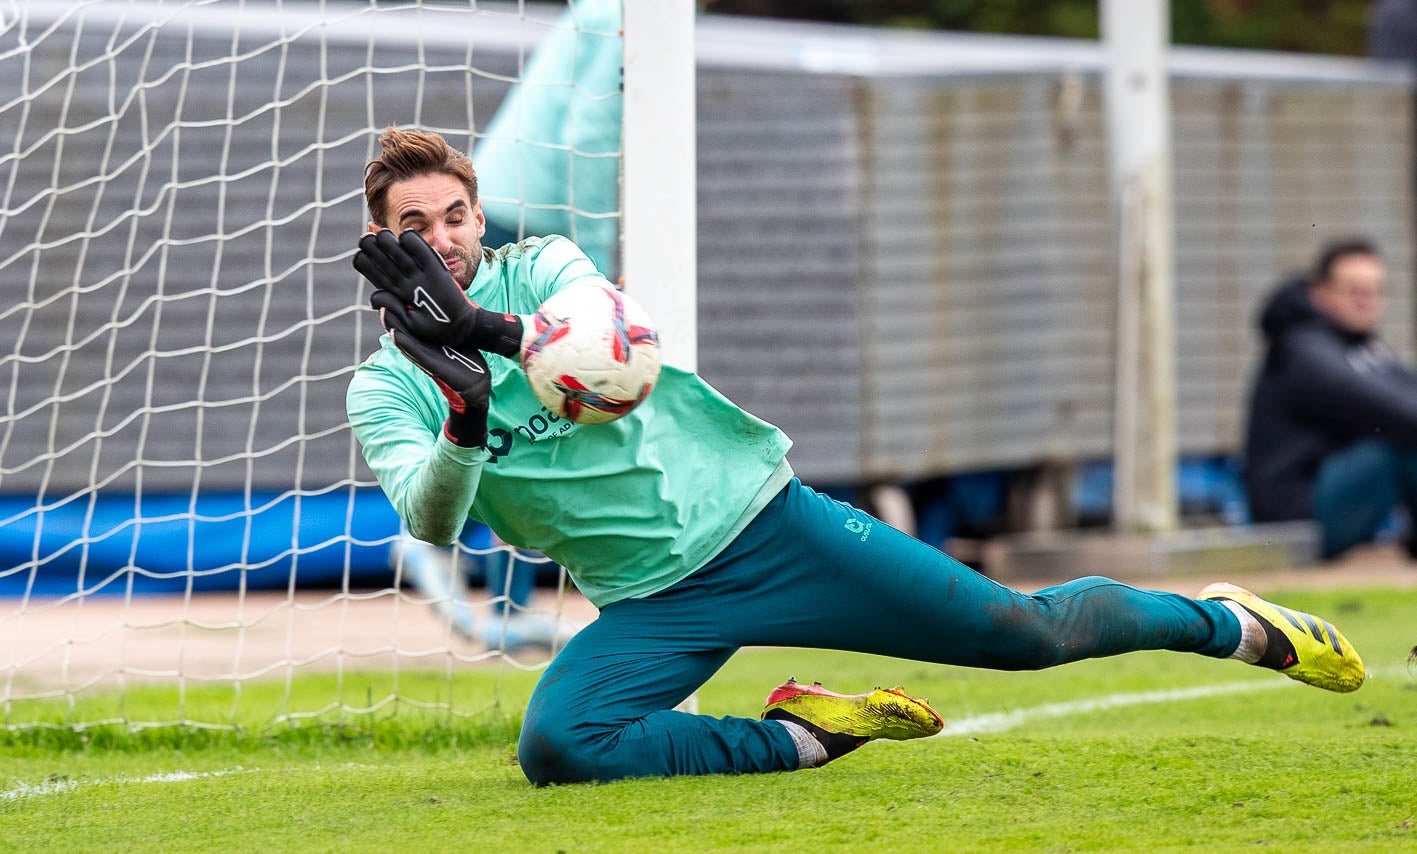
[[408, 154]]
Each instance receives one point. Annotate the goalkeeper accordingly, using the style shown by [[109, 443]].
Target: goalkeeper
[[683, 523], [551, 154]]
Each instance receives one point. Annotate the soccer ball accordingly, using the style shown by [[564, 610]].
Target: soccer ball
[[591, 354]]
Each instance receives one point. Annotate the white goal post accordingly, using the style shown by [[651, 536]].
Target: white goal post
[[181, 501], [661, 245]]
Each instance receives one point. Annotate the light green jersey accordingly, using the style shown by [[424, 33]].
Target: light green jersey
[[628, 507]]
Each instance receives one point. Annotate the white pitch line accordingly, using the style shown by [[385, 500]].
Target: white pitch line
[[1003, 721], [34, 790], [57, 785]]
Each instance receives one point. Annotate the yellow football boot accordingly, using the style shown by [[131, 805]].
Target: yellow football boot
[[1301, 646], [844, 722]]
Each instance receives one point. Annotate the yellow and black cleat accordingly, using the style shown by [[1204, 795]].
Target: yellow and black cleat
[[1301, 646]]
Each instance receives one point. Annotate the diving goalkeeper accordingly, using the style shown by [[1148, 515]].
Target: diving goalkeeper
[[683, 523]]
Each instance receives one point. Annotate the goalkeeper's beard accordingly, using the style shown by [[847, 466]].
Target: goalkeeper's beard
[[468, 268]]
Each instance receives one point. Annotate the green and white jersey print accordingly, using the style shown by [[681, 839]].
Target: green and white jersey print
[[628, 507]]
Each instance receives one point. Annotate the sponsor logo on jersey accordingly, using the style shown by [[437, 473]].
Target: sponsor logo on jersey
[[543, 424]]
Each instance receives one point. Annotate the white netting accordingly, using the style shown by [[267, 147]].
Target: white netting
[[181, 500]]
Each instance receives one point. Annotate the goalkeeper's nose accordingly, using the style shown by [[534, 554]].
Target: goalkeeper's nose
[[440, 240]]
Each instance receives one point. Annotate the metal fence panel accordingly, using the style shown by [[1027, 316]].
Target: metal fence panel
[[778, 220], [985, 287], [906, 244]]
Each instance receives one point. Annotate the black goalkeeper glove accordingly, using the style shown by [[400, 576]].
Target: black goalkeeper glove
[[437, 309], [462, 376]]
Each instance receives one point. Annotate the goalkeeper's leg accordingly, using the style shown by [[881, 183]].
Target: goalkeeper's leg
[[823, 574], [603, 709], [812, 572], [852, 582]]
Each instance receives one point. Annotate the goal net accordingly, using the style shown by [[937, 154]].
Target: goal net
[[182, 503]]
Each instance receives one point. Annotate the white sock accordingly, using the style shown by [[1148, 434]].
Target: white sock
[[1253, 640], [810, 752]]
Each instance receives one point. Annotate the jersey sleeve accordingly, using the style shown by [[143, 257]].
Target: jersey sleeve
[[430, 481]]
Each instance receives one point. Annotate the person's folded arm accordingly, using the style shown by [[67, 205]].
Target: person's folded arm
[[1321, 383]]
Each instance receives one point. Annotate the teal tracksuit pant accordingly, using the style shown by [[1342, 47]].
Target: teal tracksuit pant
[[813, 572]]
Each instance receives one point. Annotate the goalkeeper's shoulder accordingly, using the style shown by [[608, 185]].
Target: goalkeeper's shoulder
[[552, 262], [385, 377], [546, 248]]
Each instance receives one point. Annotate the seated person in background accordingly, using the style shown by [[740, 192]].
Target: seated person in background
[[1392, 30], [1333, 417]]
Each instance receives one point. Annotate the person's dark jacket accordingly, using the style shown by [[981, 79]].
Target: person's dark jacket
[[1392, 30], [1319, 389]]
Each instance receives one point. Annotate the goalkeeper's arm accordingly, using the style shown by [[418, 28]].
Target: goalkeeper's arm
[[431, 483], [430, 320], [430, 480]]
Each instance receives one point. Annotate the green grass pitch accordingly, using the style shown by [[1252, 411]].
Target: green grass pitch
[[1150, 751]]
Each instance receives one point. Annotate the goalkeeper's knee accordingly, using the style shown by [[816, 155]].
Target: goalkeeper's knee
[[551, 754]]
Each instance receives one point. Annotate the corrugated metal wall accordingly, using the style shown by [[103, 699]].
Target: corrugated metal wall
[[985, 285], [910, 273], [779, 258], [987, 282]]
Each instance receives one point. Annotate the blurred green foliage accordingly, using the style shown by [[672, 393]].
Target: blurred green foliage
[[1313, 26]]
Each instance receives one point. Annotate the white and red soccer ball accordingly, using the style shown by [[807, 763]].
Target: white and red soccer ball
[[591, 354]]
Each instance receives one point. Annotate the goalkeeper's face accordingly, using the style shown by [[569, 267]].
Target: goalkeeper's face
[[437, 207]]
